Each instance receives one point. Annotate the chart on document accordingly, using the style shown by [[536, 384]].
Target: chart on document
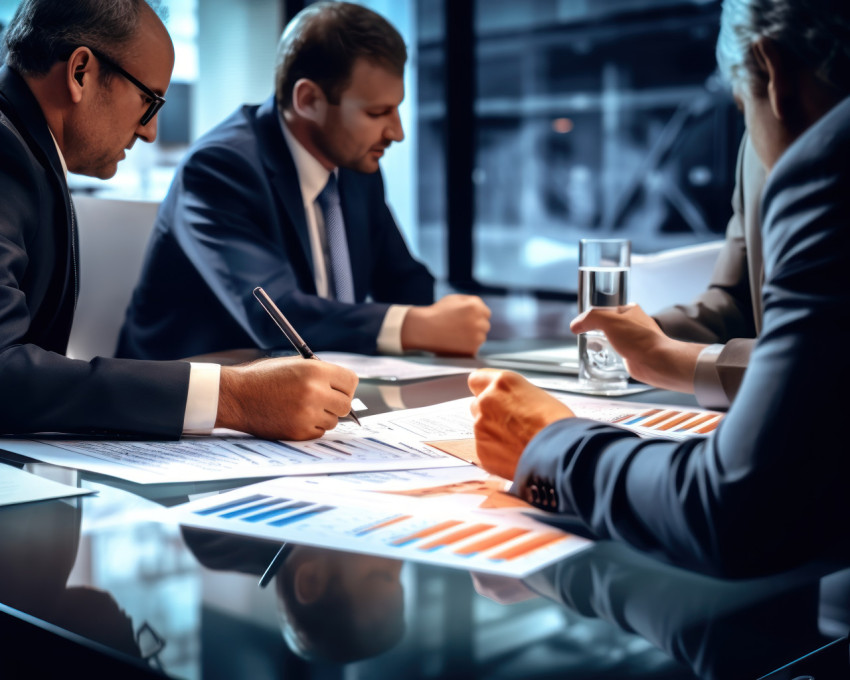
[[647, 420], [504, 540]]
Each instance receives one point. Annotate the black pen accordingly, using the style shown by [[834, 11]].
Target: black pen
[[289, 331]]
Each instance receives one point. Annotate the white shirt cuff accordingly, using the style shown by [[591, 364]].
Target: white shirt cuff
[[202, 400], [389, 339], [707, 386]]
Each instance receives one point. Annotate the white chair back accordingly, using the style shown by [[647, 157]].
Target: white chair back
[[113, 238]]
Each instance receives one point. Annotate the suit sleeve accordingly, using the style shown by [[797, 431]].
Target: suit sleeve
[[765, 492], [724, 313], [43, 390], [225, 218]]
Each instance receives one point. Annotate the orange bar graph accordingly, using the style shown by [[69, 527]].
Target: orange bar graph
[[660, 419], [455, 536], [678, 419], [491, 541], [708, 428], [700, 421], [381, 525], [430, 531], [529, 546]]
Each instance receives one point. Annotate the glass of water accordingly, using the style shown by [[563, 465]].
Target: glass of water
[[603, 281]]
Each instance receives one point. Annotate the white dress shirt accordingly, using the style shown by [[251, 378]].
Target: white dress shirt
[[312, 177]]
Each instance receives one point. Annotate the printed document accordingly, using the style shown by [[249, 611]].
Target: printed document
[[451, 517], [398, 440]]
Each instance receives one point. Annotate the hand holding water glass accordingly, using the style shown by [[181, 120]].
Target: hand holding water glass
[[603, 281]]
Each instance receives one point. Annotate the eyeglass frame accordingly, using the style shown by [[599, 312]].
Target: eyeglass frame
[[157, 101]]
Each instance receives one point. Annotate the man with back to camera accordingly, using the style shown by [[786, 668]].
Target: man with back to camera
[[709, 341], [767, 489], [288, 196], [704, 347], [83, 81]]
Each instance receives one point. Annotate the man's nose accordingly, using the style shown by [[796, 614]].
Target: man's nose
[[395, 131]]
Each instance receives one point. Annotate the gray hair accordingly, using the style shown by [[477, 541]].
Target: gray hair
[[815, 32], [41, 31]]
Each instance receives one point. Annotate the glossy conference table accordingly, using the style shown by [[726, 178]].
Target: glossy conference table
[[104, 586]]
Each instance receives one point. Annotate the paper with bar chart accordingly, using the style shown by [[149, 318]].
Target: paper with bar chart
[[647, 420], [434, 516]]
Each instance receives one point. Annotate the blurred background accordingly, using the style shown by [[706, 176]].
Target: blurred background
[[529, 125]]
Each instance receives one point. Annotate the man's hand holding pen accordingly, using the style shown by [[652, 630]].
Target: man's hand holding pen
[[316, 383], [286, 398]]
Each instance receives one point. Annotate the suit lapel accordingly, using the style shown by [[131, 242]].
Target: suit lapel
[[282, 174], [31, 123]]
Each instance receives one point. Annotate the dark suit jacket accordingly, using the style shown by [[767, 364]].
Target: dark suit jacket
[[41, 389], [729, 311], [234, 219], [769, 488]]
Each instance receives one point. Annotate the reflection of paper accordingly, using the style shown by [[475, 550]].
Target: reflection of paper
[[572, 384], [553, 360], [389, 368], [393, 515], [17, 486], [562, 360]]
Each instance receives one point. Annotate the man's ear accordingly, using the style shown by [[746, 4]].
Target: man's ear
[[308, 100], [78, 72], [782, 80]]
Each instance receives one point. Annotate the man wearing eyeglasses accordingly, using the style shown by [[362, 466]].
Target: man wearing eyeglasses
[[83, 81], [288, 195]]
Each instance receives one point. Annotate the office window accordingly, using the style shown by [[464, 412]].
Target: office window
[[585, 117], [600, 118]]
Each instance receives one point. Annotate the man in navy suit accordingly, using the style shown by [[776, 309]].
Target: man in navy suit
[[247, 208], [83, 82], [768, 489]]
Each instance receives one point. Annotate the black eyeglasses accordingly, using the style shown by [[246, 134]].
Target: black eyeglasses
[[157, 102]]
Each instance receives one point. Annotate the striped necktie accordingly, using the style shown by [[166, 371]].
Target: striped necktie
[[342, 282]]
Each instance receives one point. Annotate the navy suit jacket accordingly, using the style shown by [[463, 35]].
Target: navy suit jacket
[[769, 488], [41, 389], [234, 219]]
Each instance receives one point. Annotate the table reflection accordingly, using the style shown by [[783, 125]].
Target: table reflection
[[38, 548], [332, 606], [719, 629]]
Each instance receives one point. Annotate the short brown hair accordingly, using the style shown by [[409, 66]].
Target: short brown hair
[[323, 42]]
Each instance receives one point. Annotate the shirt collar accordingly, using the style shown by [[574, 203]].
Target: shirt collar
[[59, 151], [312, 175]]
